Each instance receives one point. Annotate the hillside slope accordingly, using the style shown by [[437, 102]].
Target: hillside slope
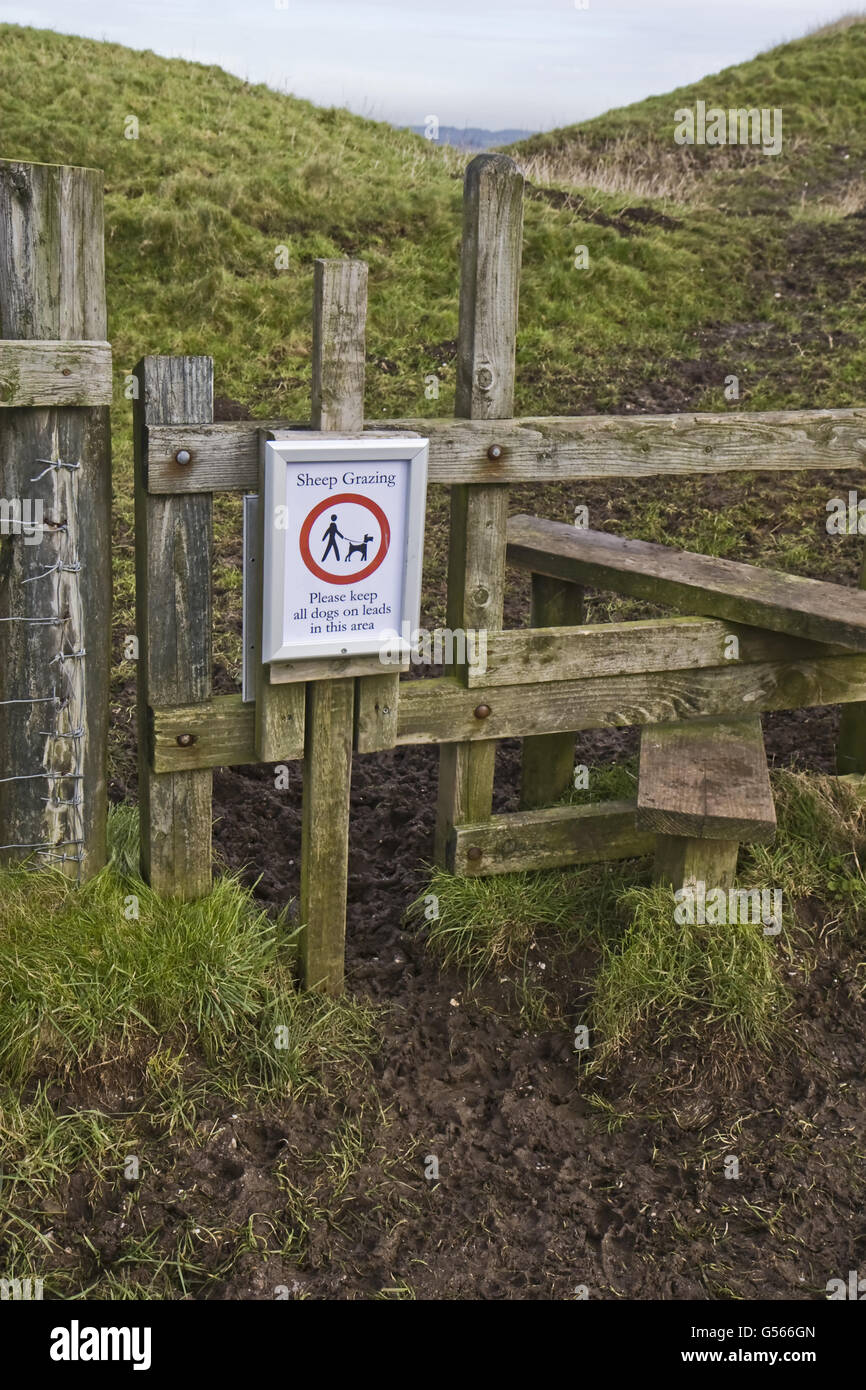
[[817, 83]]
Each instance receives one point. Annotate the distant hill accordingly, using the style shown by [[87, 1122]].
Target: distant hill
[[472, 137]]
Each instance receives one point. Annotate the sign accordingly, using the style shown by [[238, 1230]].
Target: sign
[[344, 542]]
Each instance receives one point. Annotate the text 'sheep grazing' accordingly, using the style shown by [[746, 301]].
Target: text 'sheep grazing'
[[703, 125]]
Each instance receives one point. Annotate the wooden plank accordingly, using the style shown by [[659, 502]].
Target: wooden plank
[[339, 319], [51, 372], [429, 708], [531, 655], [552, 449], [290, 672], [376, 702], [441, 710], [681, 860], [489, 293], [702, 584], [52, 290], [221, 733], [707, 780], [547, 766], [549, 838], [174, 542]]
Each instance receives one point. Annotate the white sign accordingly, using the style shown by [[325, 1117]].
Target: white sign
[[344, 541]]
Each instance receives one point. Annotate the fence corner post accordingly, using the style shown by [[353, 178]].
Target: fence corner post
[[55, 579]]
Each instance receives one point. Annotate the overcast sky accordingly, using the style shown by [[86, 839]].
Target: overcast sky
[[496, 63]]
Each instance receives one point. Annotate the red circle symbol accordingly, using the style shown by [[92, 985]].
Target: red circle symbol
[[309, 523]]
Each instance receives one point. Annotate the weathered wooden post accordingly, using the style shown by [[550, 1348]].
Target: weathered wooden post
[[489, 289], [55, 492], [173, 550], [339, 337], [547, 769], [851, 743]]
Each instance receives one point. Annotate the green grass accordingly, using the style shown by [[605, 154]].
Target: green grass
[[655, 980], [120, 1034]]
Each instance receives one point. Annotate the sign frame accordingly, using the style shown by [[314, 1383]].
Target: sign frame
[[279, 456]]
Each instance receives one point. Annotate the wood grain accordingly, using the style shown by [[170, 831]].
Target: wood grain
[[54, 373], [708, 780], [174, 564], [702, 584], [52, 290], [489, 291], [550, 838], [552, 449], [441, 710], [547, 765]]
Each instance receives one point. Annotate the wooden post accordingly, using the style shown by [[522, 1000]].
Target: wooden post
[[851, 743], [547, 770], [52, 287], [173, 551], [339, 323], [489, 288]]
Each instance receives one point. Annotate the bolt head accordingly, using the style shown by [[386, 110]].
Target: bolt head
[[494, 452], [183, 456], [185, 740], [482, 711], [474, 853]]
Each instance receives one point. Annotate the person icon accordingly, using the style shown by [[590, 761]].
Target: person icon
[[331, 537]]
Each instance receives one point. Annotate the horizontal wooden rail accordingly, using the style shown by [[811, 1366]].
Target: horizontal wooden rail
[[550, 838], [698, 583], [48, 372], [442, 710], [531, 655], [224, 457]]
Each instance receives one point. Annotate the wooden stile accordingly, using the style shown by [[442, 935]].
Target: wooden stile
[[489, 291], [174, 541]]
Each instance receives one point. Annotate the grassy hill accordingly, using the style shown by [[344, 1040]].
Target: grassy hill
[[703, 263]]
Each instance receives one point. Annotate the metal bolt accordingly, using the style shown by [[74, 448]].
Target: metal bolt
[[183, 456], [474, 852], [185, 740], [67, 371], [494, 452], [482, 711]]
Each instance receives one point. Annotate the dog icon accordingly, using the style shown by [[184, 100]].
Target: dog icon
[[359, 548]]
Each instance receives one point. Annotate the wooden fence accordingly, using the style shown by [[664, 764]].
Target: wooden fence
[[542, 684]]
